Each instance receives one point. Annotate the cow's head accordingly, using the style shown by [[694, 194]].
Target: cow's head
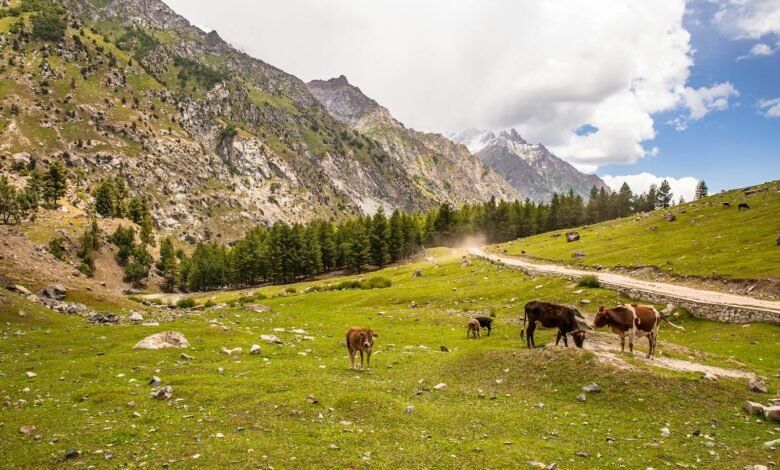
[[601, 318], [579, 337], [368, 340]]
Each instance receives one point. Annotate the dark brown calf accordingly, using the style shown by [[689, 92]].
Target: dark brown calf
[[472, 328], [633, 320], [568, 320], [360, 339]]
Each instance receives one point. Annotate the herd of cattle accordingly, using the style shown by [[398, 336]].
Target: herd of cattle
[[632, 320]]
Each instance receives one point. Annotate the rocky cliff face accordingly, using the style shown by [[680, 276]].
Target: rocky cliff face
[[439, 168], [531, 169]]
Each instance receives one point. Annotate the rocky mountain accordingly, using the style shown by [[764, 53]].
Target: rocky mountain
[[215, 139], [439, 168], [531, 169]]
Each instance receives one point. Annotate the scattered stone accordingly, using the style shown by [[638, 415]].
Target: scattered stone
[[578, 254], [131, 404], [312, 400], [572, 236], [30, 374], [755, 385], [72, 454], [54, 292], [231, 352], [258, 308], [413, 304], [187, 357], [772, 445], [584, 301], [221, 370], [104, 318], [756, 467], [255, 349], [136, 414], [710, 377], [440, 387], [417, 273], [20, 289], [665, 432], [772, 413], [669, 217], [164, 393], [270, 339], [219, 435], [27, 429], [22, 313], [582, 454], [753, 408], [333, 447], [410, 409], [444, 349], [592, 388], [167, 339], [155, 381], [536, 464], [581, 397], [135, 317]]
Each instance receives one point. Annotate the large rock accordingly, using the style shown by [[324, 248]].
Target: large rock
[[772, 413], [270, 339], [753, 408], [135, 317], [54, 291], [669, 217], [572, 236], [166, 339], [755, 385]]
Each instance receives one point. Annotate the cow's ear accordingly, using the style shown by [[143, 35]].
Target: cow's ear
[[375, 335]]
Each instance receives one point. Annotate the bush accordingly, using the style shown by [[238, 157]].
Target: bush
[[589, 281], [376, 283], [56, 249], [248, 299], [86, 269], [209, 303], [48, 26], [290, 290], [186, 302]]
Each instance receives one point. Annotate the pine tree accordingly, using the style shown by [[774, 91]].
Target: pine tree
[[55, 182], [652, 198], [105, 198], [395, 243], [167, 265], [701, 190], [147, 230], [380, 233], [665, 194]]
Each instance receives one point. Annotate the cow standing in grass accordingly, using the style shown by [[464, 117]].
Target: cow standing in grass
[[568, 320], [633, 320], [360, 339], [473, 328]]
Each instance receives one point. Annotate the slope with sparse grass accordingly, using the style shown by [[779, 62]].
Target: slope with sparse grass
[[504, 405]]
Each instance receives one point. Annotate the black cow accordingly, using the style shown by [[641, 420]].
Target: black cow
[[568, 320], [485, 322], [742, 205], [726, 204]]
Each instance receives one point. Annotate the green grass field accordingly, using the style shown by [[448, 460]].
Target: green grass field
[[487, 417], [707, 240]]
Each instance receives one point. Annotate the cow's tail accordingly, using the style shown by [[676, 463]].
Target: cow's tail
[[667, 321], [525, 316]]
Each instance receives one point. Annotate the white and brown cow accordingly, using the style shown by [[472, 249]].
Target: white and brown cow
[[633, 320], [360, 339]]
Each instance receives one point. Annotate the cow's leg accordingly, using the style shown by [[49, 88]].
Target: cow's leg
[[622, 342], [351, 358], [529, 334], [631, 337], [368, 360], [361, 359], [565, 340]]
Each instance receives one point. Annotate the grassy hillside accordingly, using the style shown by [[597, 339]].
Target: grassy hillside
[[706, 240], [488, 416]]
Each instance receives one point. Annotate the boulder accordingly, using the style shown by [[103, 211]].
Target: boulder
[[772, 413], [104, 318], [270, 339], [20, 290], [155, 381], [164, 393], [755, 385], [592, 388], [166, 339], [27, 429], [135, 317], [753, 408], [255, 349], [572, 236], [54, 291], [669, 217]]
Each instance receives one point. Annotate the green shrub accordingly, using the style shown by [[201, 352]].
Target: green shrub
[[86, 269], [290, 290], [376, 283], [186, 302], [209, 303], [589, 281], [56, 249], [248, 299]]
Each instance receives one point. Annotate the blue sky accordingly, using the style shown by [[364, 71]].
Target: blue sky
[[735, 147]]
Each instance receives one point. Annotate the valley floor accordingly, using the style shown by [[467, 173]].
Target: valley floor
[[504, 405]]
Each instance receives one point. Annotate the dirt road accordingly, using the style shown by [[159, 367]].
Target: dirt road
[[672, 290]]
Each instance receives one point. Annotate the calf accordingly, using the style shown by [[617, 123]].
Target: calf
[[726, 204], [360, 339], [568, 320], [485, 322], [472, 328], [742, 205], [634, 320]]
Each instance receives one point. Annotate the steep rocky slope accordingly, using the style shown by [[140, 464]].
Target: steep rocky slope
[[531, 169], [441, 169]]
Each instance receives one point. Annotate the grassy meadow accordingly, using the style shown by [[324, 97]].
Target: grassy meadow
[[254, 412], [706, 240]]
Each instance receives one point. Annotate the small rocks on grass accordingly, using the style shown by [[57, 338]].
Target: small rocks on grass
[[710, 377], [27, 429], [440, 387], [270, 339], [665, 432], [772, 413], [255, 349], [755, 385], [333, 447], [581, 397], [131, 404], [582, 454], [72, 454], [412, 304], [221, 370], [231, 352], [135, 317], [155, 381], [219, 435], [410, 409], [136, 414], [592, 388], [753, 408], [312, 400], [187, 357], [30, 374], [22, 313], [165, 393], [539, 405], [772, 445], [166, 339], [444, 349]]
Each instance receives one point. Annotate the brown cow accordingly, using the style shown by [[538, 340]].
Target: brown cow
[[568, 320], [360, 339], [634, 320], [473, 327]]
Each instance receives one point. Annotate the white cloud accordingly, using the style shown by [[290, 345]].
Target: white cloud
[[545, 68], [748, 19], [685, 186], [769, 108], [761, 49]]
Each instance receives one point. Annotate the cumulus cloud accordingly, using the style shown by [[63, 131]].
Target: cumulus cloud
[[769, 108], [748, 19], [545, 68], [685, 186]]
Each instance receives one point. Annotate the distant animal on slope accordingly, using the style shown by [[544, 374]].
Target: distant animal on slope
[[472, 328], [726, 204], [485, 322], [568, 320], [633, 320], [742, 205], [360, 339]]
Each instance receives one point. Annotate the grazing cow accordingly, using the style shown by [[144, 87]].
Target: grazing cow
[[726, 204], [568, 320], [743, 205], [360, 339], [485, 322], [633, 320], [472, 328]]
